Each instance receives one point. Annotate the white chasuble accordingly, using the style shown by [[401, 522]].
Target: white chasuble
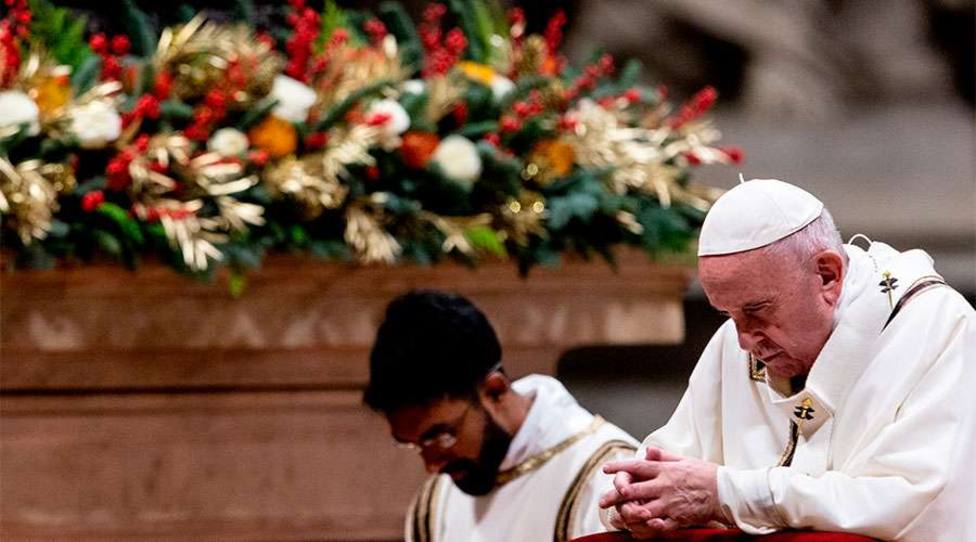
[[555, 481], [881, 441]]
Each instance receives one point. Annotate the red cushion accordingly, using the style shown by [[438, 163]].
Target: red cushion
[[731, 535]]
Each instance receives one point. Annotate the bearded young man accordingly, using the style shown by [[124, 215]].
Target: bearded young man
[[510, 460], [839, 395]]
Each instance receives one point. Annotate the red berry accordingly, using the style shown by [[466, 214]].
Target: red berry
[[316, 140], [163, 85], [98, 43], [378, 119], [92, 200], [120, 44], [510, 124], [632, 95], [492, 139], [258, 157], [734, 153], [215, 99]]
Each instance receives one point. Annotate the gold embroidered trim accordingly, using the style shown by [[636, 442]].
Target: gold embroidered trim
[[424, 513], [922, 284], [787, 457], [544, 456], [757, 369], [569, 506]]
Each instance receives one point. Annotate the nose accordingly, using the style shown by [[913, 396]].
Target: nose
[[749, 335], [433, 462]]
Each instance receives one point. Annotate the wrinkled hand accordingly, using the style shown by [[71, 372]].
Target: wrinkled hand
[[662, 492]]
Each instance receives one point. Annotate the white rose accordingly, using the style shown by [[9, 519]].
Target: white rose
[[399, 119], [228, 142], [95, 124], [458, 158], [414, 86], [17, 108], [500, 86], [294, 99]]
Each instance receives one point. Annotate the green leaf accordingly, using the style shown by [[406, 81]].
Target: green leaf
[[126, 224], [58, 229], [87, 74], [60, 31], [139, 29], [95, 183], [299, 237], [477, 129], [174, 109], [629, 74], [579, 205], [258, 112], [236, 283], [108, 242], [485, 239], [415, 105]]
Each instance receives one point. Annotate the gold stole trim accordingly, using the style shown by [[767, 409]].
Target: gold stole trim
[[425, 511], [544, 456], [787, 457], [922, 284], [569, 506]]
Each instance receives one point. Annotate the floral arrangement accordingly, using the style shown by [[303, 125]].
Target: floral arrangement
[[344, 134]]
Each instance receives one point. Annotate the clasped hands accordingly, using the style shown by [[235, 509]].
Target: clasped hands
[[662, 492]]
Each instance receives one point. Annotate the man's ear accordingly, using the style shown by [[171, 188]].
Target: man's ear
[[495, 386], [830, 268]]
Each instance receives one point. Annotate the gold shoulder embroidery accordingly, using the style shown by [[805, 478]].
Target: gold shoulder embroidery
[[424, 510], [922, 284], [757, 369], [568, 508], [543, 457]]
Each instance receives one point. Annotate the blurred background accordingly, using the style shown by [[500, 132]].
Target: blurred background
[[868, 104]]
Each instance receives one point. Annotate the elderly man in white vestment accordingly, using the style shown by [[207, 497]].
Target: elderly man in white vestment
[[510, 461], [839, 395]]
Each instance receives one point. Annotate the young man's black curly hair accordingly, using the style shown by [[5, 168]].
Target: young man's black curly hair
[[431, 345]]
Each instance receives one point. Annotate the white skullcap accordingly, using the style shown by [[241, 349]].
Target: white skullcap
[[754, 214]]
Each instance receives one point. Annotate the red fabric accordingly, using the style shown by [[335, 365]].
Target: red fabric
[[731, 535]]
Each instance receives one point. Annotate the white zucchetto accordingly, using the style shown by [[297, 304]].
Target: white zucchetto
[[754, 214]]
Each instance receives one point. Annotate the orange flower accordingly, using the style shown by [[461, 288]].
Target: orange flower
[[417, 148], [553, 157], [550, 66], [51, 94], [275, 136], [481, 73]]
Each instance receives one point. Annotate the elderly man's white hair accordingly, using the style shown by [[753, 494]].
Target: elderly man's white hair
[[815, 237]]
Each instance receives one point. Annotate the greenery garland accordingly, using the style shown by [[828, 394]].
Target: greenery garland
[[348, 135]]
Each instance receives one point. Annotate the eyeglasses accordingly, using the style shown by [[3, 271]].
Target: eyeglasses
[[447, 438], [442, 441]]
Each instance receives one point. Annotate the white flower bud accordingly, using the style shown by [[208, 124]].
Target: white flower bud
[[228, 142], [458, 158], [294, 99], [95, 124], [16, 108]]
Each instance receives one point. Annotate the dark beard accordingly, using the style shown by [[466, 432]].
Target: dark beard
[[479, 476]]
